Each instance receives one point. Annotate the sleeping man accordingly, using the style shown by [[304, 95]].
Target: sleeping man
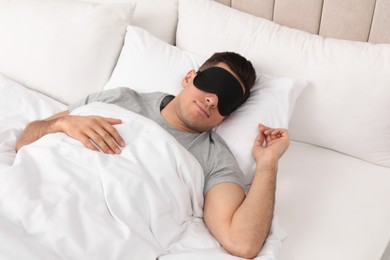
[[240, 222]]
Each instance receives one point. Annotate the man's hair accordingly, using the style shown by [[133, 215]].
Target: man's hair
[[238, 64]]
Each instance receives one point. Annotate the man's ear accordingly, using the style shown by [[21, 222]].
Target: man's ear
[[188, 78], [224, 118]]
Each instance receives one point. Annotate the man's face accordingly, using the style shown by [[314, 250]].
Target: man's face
[[198, 109]]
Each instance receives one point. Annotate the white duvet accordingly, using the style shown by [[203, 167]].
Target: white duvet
[[60, 200], [83, 204]]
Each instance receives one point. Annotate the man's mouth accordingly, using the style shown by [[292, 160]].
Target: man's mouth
[[202, 109]]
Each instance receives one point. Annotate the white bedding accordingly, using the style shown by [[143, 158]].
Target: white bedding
[[84, 204], [59, 200]]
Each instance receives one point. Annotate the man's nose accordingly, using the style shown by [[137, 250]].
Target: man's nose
[[211, 99]]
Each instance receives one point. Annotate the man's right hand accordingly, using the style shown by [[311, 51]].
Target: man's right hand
[[95, 132]]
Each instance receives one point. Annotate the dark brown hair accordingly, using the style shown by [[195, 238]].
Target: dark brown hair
[[242, 67]]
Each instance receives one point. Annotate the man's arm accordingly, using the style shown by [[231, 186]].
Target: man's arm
[[93, 131], [241, 224]]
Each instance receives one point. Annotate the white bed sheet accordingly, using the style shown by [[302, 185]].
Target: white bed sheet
[[333, 206], [18, 106]]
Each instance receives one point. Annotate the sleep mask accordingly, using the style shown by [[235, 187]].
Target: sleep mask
[[222, 83]]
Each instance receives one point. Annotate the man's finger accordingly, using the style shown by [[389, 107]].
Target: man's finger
[[114, 134], [102, 141], [87, 143], [113, 121]]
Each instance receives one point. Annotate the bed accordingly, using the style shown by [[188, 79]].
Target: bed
[[323, 72]]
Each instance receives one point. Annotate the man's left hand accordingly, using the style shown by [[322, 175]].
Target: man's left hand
[[270, 143]]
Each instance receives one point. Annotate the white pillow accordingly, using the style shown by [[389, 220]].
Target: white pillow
[[147, 64], [346, 106], [159, 17], [271, 103], [65, 49]]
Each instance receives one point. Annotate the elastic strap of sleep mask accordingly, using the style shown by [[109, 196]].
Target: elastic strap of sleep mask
[[221, 82]]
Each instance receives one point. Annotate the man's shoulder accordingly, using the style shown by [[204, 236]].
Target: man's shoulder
[[126, 94], [130, 91], [215, 145], [217, 140], [125, 91], [220, 150]]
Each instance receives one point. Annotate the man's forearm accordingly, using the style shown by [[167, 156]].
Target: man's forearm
[[37, 129], [252, 220]]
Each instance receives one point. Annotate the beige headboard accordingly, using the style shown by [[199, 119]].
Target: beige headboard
[[358, 20]]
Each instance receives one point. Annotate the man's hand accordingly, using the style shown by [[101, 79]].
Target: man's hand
[[94, 132], [271, 143]]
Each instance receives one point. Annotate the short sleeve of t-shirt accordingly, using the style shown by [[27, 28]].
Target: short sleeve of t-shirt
[[223, 166]]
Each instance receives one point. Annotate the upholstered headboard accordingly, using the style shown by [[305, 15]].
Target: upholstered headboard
[[365, 20]]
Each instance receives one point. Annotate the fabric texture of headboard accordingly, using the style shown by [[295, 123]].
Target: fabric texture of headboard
[[366, 20]]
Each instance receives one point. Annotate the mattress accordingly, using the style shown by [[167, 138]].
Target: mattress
[[330, 202]]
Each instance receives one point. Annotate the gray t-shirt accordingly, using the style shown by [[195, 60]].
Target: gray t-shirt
[[213, 154]]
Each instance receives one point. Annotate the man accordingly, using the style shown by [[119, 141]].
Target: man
[[240, 223]]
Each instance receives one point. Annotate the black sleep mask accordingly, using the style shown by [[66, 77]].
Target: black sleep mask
[[222, 83]]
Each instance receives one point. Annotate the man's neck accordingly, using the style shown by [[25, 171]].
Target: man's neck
[[170, 115]]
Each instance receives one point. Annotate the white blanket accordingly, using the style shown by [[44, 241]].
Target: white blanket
[[82, 204]]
